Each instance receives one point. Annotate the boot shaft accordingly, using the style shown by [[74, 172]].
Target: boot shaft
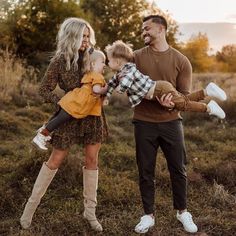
[[42, 182], [90, 184]]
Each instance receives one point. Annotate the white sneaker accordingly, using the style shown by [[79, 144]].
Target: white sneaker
[[215, 109], [40, 139], [215, 91], [145, 224], [186, 219]]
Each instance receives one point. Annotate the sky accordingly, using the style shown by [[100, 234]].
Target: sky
[[199, 10]]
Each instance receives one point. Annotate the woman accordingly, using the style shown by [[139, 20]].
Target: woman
[[74, 38]]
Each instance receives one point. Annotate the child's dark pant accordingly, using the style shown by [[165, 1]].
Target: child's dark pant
[[60, 118]]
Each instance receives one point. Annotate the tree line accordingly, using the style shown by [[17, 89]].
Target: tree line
[[29, 27]]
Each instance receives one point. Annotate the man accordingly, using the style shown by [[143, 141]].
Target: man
[[157, 126]]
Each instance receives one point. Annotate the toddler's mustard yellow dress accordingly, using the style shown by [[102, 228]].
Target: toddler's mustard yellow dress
[[82, 102]]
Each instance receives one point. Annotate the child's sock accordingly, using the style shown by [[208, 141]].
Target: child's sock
[[208, 109], [45, 132]]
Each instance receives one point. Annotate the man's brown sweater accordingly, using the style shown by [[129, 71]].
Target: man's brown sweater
[[169, 65]]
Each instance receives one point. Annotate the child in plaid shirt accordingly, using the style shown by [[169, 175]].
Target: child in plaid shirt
[[139, 86]]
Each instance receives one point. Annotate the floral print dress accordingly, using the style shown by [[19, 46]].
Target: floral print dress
[[89, 130]]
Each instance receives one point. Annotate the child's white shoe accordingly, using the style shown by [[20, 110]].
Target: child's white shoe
[[40, 139], [215, 91], [215, 109]]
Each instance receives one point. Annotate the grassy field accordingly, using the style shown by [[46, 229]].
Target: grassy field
[[211, 149]]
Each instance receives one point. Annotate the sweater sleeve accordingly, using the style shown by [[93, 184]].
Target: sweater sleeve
[[184, 79], [49, 83]]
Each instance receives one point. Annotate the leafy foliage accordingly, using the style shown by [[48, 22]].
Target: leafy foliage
[[196, 49], [34, 24], [228, 56], [116, 20], [29, 28]]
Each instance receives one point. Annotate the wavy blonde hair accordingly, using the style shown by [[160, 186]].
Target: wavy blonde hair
[[93, 56], [69, 41]]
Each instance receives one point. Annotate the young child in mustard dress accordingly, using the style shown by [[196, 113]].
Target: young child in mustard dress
[[79, 102]]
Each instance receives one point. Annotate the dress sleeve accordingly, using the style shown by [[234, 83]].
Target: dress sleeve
[[49, 83], [98, 79]]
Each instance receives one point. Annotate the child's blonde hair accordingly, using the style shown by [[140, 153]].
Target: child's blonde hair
[[93, 56], [120, 50], [69, 40]]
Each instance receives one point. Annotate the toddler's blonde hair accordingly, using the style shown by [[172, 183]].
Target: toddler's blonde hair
[[93, 56], [120, 50]]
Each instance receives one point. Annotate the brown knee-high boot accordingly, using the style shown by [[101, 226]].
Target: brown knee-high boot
[[90, 182], [42, 182]]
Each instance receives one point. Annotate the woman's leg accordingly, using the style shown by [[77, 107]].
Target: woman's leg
[[56, 158], [45, 176], [91, 156], [90, 182]]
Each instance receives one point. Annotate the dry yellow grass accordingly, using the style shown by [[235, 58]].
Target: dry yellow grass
[[222, 196], [15, 77], [11, 73], [225, 80]]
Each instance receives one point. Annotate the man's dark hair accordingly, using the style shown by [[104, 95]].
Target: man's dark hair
[[156, 19]]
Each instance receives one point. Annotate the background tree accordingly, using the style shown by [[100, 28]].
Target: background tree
[[34, 24], [228, 56], [122, 19], [29, 28], [118, 19], [196, 49], [6, 37]]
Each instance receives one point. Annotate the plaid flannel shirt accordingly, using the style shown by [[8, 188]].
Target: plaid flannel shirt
[[130, 80]]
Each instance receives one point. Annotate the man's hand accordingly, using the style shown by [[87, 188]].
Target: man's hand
[[165, 100]]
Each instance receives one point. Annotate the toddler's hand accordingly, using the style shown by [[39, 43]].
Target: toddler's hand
[[104, 89], [165, 100]]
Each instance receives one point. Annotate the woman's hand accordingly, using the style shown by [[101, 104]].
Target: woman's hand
[[165, 100]]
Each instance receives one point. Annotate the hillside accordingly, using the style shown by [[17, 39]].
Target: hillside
[[211, 148]]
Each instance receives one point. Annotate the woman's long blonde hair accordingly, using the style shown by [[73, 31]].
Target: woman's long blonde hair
[[69, 41]]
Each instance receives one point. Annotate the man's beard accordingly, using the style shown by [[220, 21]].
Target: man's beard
[[148, 41]]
